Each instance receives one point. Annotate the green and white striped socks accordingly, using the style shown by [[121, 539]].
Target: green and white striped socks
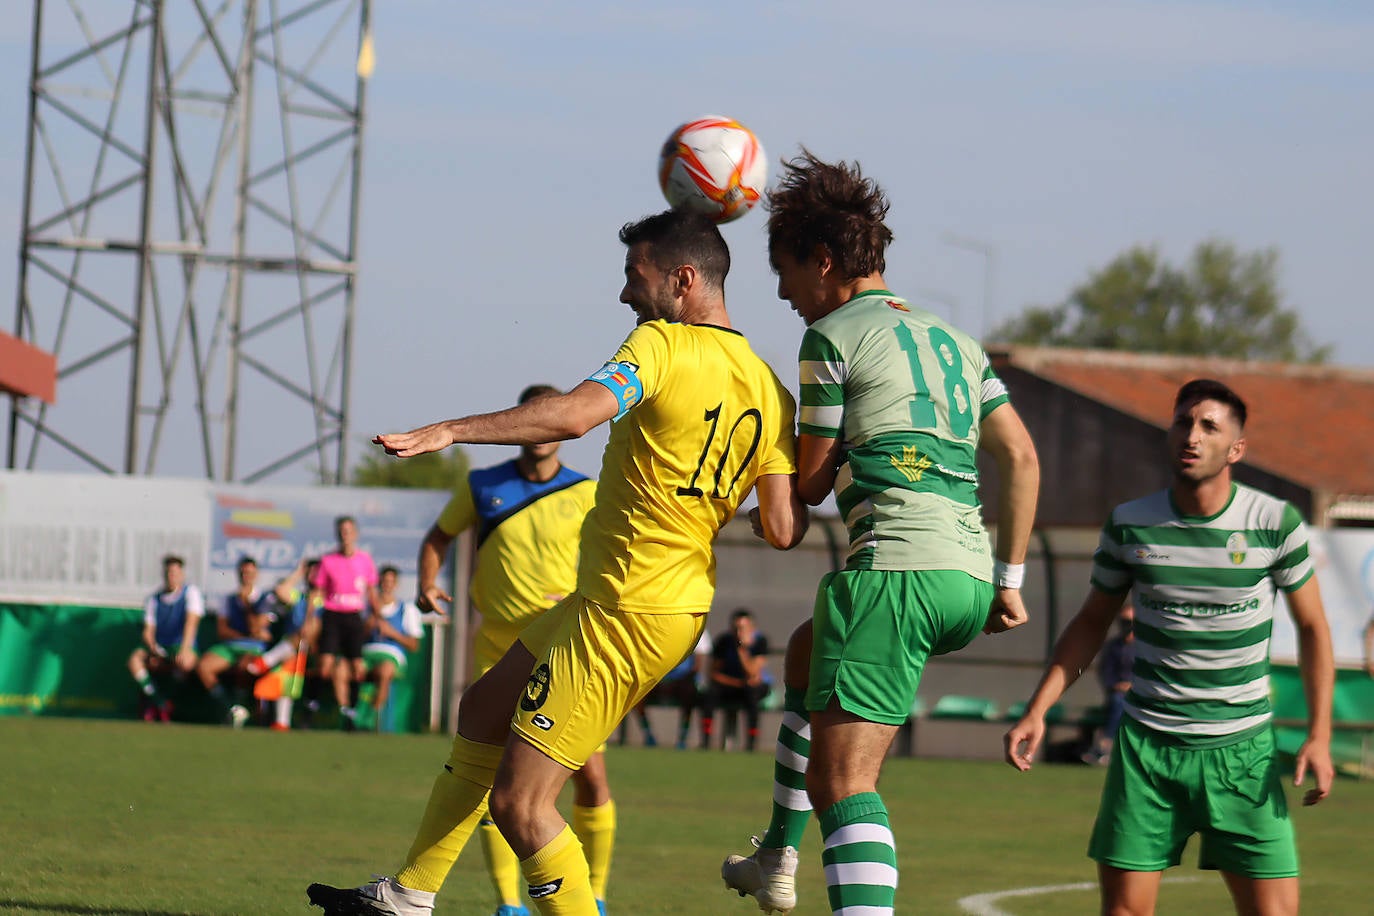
[[791, 807], [860, 857]]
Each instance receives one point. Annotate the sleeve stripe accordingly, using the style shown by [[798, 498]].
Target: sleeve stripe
[[821, 372], [828, 417]]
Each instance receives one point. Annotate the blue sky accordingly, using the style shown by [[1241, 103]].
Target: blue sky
[[507, 143]]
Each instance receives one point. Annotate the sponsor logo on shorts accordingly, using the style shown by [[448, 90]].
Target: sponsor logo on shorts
[[536, 689], [544, 890], [542, 721]]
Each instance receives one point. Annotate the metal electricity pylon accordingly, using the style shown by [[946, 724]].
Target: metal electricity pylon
[[189, 234]]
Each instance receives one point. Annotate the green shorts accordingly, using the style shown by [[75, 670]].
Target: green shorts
[[372, 658], [1159, 793], [875, 628], [231, 652]]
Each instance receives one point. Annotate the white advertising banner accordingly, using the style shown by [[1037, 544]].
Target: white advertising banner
[[100, 540], [1344, 559], [87, 539]]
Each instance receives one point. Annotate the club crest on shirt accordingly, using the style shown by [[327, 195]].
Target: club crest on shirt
[[1236, 545], [536, 689]]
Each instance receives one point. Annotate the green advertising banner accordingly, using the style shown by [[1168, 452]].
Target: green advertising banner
[[1352, 740], [64, 660], [67, 661]]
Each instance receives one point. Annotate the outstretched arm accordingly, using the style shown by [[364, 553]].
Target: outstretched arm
[[285, 589], [548, 419]]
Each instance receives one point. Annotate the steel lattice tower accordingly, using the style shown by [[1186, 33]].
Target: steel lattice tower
[[189, 235]]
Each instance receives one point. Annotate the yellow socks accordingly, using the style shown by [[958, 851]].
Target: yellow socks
[[502, 864], [558, 878], [595, 827], [456, 803]]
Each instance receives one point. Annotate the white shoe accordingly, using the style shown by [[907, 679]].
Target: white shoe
[[768, 874], [238, 715], [376, 898]]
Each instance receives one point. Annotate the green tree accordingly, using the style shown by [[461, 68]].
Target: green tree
[[434, 471], [1220, 303]]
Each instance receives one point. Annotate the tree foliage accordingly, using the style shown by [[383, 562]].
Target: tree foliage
[[434, 471], [1220, 303]]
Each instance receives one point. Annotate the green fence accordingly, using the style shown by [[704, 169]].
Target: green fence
[[66, 660]]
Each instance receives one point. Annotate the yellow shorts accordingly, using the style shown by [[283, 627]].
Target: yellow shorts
[[490, 642], [591, 667]]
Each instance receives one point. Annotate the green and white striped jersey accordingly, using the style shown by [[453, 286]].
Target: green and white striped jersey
[[1205, 591], [907, 393]]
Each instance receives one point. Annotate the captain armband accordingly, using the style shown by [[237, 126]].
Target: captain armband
[[622, 380]]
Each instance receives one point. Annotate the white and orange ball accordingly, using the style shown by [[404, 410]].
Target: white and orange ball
[[713, 165]]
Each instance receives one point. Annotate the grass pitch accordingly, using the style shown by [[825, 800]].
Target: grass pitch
[[115, 818]]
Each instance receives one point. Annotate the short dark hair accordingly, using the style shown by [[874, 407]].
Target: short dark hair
[[537, 391], [388, 569], [677, 237], [246, 560], [172, 559], [740, 612], [831, 205], [344, 518], [1206, 389]]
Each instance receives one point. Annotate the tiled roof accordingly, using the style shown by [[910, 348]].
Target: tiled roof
[[1311, 424]]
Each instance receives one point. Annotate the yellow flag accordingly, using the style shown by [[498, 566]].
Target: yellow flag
[[367, 60]]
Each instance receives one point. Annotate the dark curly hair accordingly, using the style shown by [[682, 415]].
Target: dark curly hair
[[677, 237], [817, 203]]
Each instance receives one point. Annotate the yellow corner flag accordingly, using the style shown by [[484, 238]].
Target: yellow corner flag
[[367, 59]]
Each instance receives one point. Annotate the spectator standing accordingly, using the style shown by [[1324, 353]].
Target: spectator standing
[[1114, 674], [346, 586], [171, 617], [738, 663]]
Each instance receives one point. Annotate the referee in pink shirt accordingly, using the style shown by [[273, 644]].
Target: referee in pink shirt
[[346, 586]]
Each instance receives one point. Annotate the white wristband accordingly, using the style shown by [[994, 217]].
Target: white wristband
[[1008, 575]]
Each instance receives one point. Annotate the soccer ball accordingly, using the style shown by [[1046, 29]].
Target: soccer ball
[[713, 165]]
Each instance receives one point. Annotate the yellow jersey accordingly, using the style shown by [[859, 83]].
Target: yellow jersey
[[702, 418], [527, 533]]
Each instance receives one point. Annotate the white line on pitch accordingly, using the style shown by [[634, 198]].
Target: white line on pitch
[[986, 904]]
